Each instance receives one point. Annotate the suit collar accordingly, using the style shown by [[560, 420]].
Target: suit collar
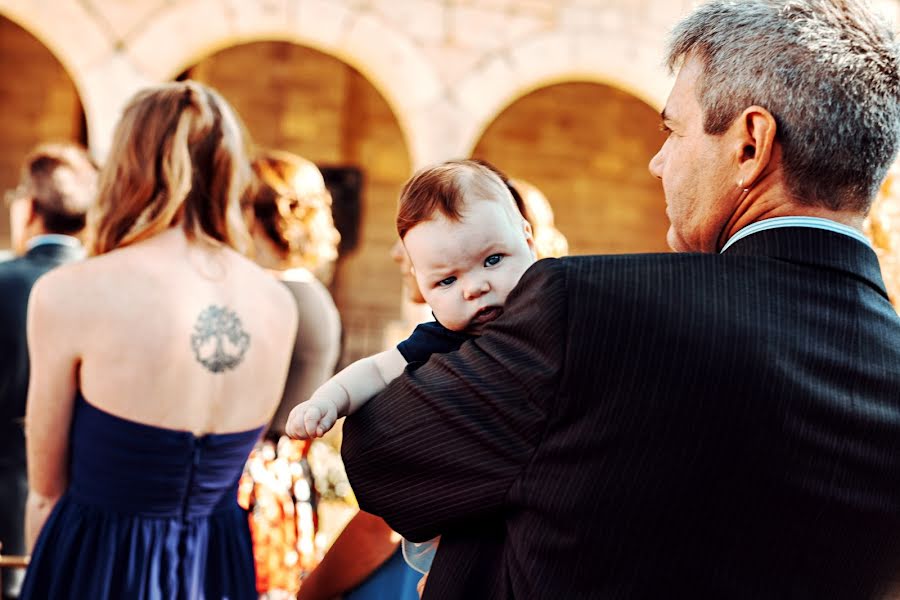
[[821, 248]]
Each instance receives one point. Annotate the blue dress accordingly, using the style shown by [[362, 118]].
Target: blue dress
[[150, 513], [394, 580]]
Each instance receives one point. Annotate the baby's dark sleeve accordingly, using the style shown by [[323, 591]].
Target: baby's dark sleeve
[[430, 338]]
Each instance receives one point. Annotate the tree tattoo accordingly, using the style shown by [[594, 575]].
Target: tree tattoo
[[219, 341]]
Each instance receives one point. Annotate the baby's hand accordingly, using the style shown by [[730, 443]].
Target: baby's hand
[[311, 419]]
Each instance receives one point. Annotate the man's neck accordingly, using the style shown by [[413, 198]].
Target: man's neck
[[762, 205]]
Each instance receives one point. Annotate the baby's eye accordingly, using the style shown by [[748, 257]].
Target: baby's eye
[[445, 282], [492, 260]]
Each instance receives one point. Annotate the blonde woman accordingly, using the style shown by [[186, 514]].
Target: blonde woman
[[155, 366]]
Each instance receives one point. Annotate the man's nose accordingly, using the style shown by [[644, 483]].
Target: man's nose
[[656, 163], [476, 289]]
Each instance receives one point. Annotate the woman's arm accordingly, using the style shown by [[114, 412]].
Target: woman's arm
[[51, 395], [344, 393], [316, 347], [364, 545]]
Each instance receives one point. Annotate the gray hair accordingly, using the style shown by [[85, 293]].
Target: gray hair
[[827, 70]]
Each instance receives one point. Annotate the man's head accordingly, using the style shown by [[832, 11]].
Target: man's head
[[798, 95], [57, 186], [466, 240]]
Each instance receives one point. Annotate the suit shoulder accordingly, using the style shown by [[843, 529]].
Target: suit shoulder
[[546, 269], [629, 265], [631, 260], [20, 271]]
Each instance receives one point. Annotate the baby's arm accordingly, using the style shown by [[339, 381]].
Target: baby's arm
[[344, 393]]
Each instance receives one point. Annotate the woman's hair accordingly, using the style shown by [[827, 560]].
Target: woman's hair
[[293, 207], [827, 70], [178, 157], [442, 189], [548, 240]]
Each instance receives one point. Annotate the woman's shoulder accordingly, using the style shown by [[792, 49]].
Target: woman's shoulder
[[71, 280], [304, 286], [66, 297], [319, 322]]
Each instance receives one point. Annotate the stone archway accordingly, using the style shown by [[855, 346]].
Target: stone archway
[[586, 146], [323, 109], [40, 104], [384, 55], [628, 61]]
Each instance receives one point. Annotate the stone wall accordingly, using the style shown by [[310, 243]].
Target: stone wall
[[560, 92], [586, 146], [39, 103]]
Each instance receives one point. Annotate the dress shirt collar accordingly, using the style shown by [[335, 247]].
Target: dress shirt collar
[[812, 222], [53, 238]]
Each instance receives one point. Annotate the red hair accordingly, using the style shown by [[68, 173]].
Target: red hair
[[444, 189]]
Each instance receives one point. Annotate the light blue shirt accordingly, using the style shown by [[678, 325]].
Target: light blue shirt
[[811, 222], [56, 238], [53, 238]]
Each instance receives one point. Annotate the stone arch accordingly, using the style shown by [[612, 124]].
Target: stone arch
[[557, 57], [386, 57], [84, 56], [317, 106], [94, 59], [74, 53], [42, 102], [586, 145]]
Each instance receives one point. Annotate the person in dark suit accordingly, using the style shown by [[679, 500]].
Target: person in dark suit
[[722, 422], [47, 210]]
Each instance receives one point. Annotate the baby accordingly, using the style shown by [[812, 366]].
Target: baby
[[468, 245]]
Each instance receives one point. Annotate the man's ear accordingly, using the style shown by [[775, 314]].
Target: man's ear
[[32, 213], [755, 136]]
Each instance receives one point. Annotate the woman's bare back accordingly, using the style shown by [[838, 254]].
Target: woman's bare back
[[178, 334]]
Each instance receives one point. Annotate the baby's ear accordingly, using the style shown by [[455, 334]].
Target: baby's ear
[[529, 236]]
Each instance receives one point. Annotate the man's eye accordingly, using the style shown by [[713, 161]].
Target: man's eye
[[665, 129], [492, 260], [445, 282]]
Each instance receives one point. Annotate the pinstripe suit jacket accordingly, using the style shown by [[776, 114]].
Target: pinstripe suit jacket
[[656, 426]]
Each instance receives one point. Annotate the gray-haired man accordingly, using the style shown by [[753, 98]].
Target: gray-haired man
[[719, 423]]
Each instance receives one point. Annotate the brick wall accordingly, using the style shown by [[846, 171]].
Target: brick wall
[[586, 146], [297, 99], [39, 103]]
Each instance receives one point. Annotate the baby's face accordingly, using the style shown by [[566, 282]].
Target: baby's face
[[466, 269]]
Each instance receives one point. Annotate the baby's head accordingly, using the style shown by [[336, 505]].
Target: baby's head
[[466, 240]]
